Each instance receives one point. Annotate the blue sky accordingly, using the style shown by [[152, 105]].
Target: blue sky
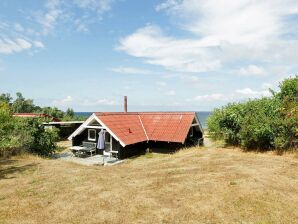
[[162, 54]]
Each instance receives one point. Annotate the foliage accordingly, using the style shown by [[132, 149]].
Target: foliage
[[53, 111], [260, 124], [7, 126], [288, 97], [214, 130], [289, 89], [5, 97], [37, 138], [70, 116], [69, 112], [267, 123], [28, 134], [22, 105]]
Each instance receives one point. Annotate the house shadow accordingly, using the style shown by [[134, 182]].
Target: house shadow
[[8, 168], [164, 147]]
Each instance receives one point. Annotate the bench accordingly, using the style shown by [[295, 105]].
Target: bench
[[112, 152], [86, 147], [89, 147]]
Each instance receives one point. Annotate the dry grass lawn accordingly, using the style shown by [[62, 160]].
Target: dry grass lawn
[[197, 185]]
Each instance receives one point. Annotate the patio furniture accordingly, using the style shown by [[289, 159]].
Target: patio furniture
[[77, 150], [89, 147], [85, 148], [112, 152]]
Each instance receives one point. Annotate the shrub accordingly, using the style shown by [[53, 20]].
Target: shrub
[[259, 125], [7, 125], [225, 123], [214, 129], [35, 138], [29, 134], [267, 123]]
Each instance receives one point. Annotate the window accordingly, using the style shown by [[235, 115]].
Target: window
[[191, 132], [91, 135]]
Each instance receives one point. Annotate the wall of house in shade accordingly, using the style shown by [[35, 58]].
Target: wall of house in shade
[[83, 137], [194, 137], [123, 152], [129, 150], [139, 148]]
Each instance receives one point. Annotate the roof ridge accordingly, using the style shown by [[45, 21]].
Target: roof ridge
[[143, 127], [148, 112]]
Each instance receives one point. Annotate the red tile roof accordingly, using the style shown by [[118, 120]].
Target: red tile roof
[[132, 127], [36, 115]]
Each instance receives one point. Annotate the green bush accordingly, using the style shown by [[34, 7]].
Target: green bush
[[7, 127], [28, 134], [262, 124], [225, 123], [36, 138]]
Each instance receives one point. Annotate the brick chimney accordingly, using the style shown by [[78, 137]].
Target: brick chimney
[[125, 104]]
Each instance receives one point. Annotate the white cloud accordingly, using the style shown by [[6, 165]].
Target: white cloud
[[50, 17], [81, 25], [210, 97], [236, 95], [222, 32], [170, 93], [23, 44], [236, 22], [3, 25], [15, 38], [38, 44], [63, 102], [161, 84], [105, 102], [267, 85], [77, 13], [95, 102], [158, 49], [166, 5], [252, 70], [131, 70], [98, 5], [191, 78], [18, 27], [86, 102], [8, 46], [249, 93]]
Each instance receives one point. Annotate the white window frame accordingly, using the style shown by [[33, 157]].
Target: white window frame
[[191, 132], [91, 139]]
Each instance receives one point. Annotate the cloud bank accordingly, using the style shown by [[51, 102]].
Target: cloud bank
[[221, 32]]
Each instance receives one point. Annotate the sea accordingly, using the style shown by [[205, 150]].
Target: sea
[[203, 115]]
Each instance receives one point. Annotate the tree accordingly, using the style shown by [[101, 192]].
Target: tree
[[70, 112], [53, 111], [22, 105], [6, 98]]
